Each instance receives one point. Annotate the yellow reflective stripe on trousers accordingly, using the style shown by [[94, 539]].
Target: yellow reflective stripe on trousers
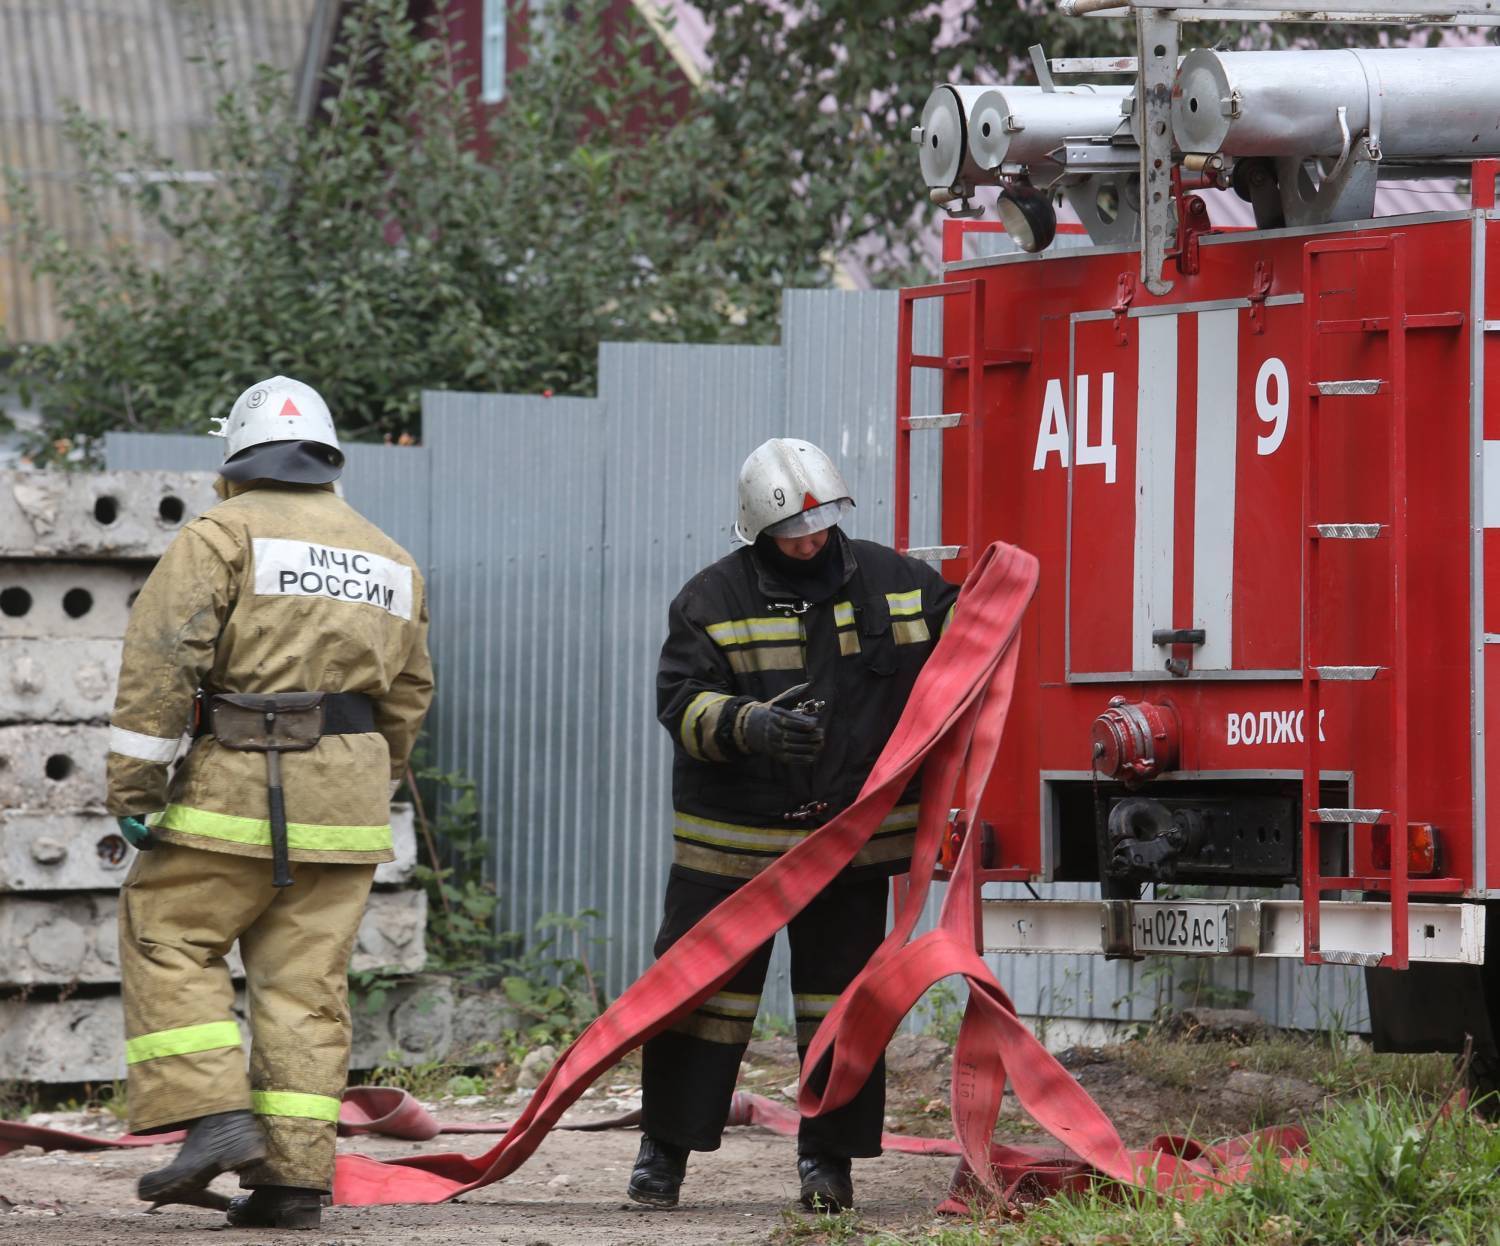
[[732, 1004], [183, 1041], [290, 1103], [306, 836], [743, 631], [909, 602], [697, 707]]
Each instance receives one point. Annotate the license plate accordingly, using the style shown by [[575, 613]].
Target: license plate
[[1191, 929]]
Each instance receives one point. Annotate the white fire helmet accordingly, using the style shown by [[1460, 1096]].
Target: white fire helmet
[[283, 412], [790, 488]]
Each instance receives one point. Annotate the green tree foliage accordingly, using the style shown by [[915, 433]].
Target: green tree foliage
[[376, 254], [823, 95]]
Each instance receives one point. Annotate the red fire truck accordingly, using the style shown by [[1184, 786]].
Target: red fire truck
[[1261, 470]]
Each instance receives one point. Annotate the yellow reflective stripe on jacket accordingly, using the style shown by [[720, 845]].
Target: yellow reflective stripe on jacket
[[768, 658], [745, 631], [304, 836], [909, 602], [728, 835], [291, 1103], [183, 1041], [848, 644], [843, 614], [697, 707], [771, 838], [948, 618], [814, 1005], [901, 818]]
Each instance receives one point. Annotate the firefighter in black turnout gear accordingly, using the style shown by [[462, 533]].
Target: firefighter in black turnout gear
[[786, 668]]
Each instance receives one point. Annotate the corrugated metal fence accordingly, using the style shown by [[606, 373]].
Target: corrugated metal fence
[[555, 531]]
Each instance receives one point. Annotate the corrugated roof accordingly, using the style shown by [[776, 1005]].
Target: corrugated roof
[[133, 64]]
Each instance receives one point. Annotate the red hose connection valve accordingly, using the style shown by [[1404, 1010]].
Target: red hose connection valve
[[1134, 741]]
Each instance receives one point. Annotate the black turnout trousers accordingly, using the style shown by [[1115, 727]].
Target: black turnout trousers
[[689, 1072]]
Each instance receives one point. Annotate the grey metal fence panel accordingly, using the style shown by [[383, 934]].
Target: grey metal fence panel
[[680, 421], [386, 484], [841, 395], [517, 522]]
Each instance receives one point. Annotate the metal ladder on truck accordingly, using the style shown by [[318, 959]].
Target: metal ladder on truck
[[1318, 666], [969, 296], [971, 366], [907, 359]]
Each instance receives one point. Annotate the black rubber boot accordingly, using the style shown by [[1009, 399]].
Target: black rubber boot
[[223, 1142], [276, 1207], [827, 1183], [659, 1170]]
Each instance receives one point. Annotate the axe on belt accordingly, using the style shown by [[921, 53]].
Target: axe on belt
[[270, 723]]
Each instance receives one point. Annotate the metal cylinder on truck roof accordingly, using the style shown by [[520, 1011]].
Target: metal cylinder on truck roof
[[1023, 125], [1419, 103], [967, 132], [944, 136]]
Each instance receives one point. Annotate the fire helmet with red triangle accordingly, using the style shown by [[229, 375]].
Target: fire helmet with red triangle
[[790, 488], [280, 429]]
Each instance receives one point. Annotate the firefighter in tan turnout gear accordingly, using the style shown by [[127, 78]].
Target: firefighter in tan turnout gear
[[289, 636], [786, 667]]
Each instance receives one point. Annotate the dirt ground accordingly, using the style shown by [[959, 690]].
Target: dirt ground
[[571, 1193]]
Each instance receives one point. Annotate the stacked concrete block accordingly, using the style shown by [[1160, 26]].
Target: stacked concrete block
[[421, 1021], [75, 549]]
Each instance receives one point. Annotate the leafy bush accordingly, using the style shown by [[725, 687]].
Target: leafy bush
[[376, 253]]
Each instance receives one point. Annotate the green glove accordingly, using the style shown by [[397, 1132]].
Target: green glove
[[137, 833]]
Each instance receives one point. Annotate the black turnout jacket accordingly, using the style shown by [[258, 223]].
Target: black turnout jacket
[[738, 635]]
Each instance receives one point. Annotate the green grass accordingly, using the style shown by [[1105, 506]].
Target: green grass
[[1381, 1170], [1327, 1061]]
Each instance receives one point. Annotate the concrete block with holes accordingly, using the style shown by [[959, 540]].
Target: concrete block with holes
[[66, 601], [52, 766], [73, 938], [58, 681], [81, 1039], [41, 851], [44, 851], [98, 514]]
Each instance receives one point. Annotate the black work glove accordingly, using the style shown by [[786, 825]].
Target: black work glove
[[782, 734]]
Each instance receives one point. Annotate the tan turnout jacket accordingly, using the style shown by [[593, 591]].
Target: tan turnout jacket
[[280, 588]]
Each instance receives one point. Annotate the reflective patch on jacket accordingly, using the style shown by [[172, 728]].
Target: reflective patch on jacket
[[764, 644], [302, 837], [908, 627], [843, 626], [304, 569]]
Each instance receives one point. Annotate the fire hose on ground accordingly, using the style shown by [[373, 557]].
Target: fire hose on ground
[[952, 729]]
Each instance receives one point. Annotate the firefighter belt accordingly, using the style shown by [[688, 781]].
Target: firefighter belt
[[181, 909], [284, 722]]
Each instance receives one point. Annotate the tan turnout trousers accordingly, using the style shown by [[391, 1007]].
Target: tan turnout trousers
[[181, 909]]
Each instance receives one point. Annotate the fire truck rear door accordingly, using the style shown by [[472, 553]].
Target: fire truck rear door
[[1184, 498]]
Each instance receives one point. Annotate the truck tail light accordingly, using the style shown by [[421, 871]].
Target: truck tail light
[[1421, 848]]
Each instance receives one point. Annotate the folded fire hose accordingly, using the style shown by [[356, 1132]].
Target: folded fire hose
[[952, 729]]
